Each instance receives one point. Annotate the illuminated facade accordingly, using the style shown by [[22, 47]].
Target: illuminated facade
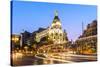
[[15, 41], [87, 42], [54, 33], [15, 38]]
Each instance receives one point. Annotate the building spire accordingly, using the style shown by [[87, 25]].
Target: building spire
[[56, 13], [82, 27]]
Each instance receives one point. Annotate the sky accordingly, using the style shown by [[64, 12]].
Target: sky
[[30, 16]]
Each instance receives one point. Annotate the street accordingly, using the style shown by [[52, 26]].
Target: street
[[52, 58]]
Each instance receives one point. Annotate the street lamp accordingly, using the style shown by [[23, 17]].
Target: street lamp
[[26, 48]]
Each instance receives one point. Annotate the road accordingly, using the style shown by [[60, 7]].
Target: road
[[54, 58]]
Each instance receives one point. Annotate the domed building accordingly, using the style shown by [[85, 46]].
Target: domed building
[[54, 33]]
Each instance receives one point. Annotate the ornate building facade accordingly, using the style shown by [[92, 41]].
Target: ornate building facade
[[52, 38], [87, 42], [53, 33]]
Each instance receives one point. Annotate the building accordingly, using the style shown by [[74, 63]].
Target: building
[[87, 42], [52, 37], [54, 32], [24, 38], [15, 41]]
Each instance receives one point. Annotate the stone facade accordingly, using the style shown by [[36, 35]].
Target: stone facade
[[54, 33]]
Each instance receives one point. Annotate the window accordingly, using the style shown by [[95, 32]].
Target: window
[[60, 34], [56, 34]]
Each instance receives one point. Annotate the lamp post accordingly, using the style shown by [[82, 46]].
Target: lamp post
[[26, 48], [21, 42]]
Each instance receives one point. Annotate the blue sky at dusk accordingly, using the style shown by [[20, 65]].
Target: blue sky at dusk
[[32, 15]]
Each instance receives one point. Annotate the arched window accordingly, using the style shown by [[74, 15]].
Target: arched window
[[56, 34], [51, 34], [60, 34], [54, 37]]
